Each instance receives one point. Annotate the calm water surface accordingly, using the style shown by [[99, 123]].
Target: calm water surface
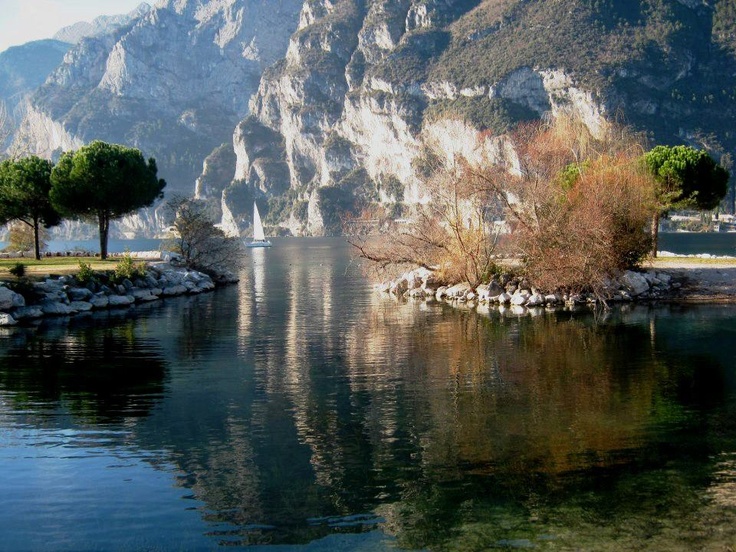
[[298, 410]]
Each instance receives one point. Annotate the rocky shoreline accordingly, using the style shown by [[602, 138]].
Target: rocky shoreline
[[673, 282], [66, 296]]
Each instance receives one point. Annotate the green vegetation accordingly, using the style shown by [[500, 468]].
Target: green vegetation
[[18, 270], [581, 36], [127, 269], [685, 178], [336, 204], [495, 114], [24, 195], [39, 269], [280, 207], [394, 188], [85, 273], [724, 25], [104, 182], [411, 60]]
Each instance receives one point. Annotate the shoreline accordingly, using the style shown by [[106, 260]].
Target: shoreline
[[28, 302], [691, 279], [710, 280]]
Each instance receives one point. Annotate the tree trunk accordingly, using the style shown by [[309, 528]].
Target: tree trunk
[[655, 234], [104, 223], [36, 248]]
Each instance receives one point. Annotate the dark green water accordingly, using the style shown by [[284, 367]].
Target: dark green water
[[692, 243], [298, 410]]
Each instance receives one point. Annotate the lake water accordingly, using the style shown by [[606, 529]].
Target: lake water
[[689, 243], [300, 411], [683, 243]]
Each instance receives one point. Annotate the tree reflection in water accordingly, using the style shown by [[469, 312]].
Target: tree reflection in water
[[103, 372]]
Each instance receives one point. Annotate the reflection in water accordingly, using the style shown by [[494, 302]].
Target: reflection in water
[[103, 375], [298, 408]]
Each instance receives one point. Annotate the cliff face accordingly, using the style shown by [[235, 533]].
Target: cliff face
[[173, 82], [23, 69], [368, 88]]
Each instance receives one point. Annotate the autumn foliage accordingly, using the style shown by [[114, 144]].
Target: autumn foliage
[[578, 206]]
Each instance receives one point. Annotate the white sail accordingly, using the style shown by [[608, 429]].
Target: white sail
[[258, 234]]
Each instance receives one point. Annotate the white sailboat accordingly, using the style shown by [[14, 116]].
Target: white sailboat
[[259, 238]]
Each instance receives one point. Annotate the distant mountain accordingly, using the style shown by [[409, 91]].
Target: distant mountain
[[103, 24], [25, 68], [22, 70], [174, 82]]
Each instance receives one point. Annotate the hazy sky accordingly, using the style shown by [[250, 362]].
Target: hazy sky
[[25, 20]]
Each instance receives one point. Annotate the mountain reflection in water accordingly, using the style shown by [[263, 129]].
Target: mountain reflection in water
[[298, 408]]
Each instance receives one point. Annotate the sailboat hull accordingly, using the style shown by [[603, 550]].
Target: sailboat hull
[[263, 243]]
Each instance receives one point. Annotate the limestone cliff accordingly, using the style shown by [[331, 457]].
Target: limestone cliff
[[23, 69], [346, 119]]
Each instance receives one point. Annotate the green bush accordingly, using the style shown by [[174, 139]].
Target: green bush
[[85, 274], [127, 269], [498, 115], [18, 270]]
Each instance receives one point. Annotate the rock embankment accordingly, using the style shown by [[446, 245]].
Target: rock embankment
[[511, 291], [65, 295]]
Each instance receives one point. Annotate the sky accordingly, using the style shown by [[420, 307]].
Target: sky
[[24, 20]]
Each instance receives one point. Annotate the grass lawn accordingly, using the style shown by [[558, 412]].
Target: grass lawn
[[690, 262], [54, 266]]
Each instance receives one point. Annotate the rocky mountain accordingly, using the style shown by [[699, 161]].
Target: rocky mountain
[[23, 69], [319, 108], [173, 82], [73, 34], [369, 89]]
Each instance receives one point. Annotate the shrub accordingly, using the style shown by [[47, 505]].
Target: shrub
[[201, 244], [593, 231], [127, 269], [18, 270], [579, 205], [85, 273]]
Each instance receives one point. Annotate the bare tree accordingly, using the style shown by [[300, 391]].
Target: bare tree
[[202, 245], [452, 233]]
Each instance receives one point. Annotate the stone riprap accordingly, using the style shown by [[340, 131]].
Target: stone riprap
[[65, 295], [510, 291]]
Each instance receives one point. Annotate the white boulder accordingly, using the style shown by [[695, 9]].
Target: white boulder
[[7, 320], [520, 298], [635, 282]]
